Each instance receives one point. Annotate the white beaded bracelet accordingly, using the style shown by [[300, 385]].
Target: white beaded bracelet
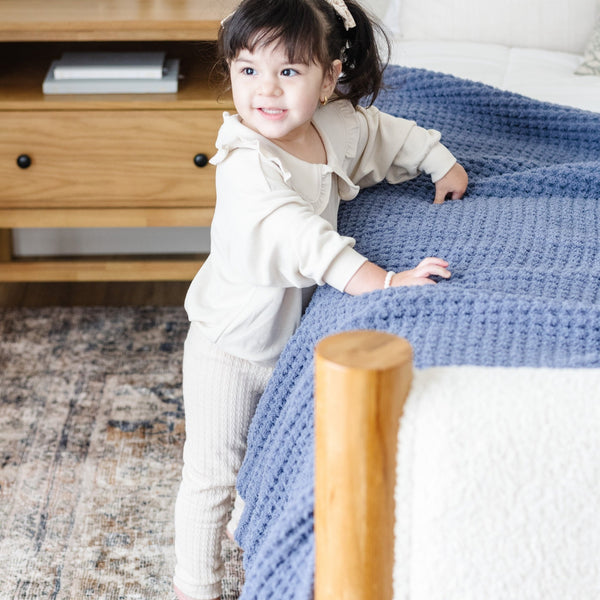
[[388, 279]]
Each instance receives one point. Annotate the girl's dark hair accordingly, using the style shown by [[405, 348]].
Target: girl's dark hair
[[310, 31]]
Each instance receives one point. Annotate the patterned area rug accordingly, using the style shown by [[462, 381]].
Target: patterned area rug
[[91, 437]]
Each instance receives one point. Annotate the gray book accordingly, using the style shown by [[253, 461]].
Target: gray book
[[110, 65], [168, 84]]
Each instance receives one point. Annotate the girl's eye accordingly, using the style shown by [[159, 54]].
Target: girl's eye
[[248, 71], [289, 72]]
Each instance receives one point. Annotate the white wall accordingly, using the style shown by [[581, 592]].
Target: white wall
[[64, 242], [92, 241], [377, 7]]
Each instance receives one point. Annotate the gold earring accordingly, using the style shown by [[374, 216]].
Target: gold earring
[[324, 101]]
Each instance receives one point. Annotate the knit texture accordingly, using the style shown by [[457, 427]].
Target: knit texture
[[523, 248], [220, 393]]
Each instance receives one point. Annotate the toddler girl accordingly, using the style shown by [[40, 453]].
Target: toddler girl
[[298, 144]]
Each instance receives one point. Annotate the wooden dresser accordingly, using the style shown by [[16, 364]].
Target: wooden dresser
[[130, 160]]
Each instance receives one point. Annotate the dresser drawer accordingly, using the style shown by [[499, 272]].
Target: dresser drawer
[[124, 158]]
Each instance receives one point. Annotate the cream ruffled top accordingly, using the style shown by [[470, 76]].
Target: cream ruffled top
[[273, 235]]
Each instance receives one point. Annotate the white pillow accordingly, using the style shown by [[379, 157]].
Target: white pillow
[[563, 25], [591, 58]]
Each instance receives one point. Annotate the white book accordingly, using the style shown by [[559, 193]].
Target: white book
[[167, 85], [110, 65]]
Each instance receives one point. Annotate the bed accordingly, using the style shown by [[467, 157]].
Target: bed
[[498, 481]]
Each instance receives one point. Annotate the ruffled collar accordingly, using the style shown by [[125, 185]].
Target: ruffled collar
[[233, 134]]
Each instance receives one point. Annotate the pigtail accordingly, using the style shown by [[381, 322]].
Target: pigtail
[[362, 60]]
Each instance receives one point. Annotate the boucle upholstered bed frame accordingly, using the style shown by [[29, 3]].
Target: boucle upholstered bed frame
[[497, 483]]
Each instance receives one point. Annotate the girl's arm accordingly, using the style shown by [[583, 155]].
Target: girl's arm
[[395, 149], [370, 276]]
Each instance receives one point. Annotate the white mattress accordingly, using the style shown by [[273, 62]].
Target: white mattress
[[541, 74]]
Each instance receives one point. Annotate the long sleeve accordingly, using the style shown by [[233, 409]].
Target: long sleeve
[[396, 149]]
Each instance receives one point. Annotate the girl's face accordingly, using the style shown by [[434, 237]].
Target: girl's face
[[275, 97]]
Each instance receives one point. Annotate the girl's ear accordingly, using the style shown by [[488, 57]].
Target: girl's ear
[[331, 78]]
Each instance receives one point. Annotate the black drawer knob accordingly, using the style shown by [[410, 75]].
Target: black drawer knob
[[200, 160], [24, 161]]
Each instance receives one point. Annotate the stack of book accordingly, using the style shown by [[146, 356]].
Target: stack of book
[[112, 73]]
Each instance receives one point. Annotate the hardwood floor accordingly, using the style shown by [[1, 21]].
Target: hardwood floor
[[147, 293]]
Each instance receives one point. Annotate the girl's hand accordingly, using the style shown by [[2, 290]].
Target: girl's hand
[[371, 277], [422, 272], [453, 184]]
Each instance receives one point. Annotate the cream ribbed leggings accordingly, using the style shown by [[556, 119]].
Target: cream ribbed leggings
[[220, 394]]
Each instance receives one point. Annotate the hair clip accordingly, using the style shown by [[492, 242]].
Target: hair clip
[[342, 10]]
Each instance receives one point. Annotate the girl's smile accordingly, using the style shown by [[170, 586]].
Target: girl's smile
[[272, 113]]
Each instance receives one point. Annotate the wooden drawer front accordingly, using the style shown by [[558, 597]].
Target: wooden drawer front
[[107, 158]]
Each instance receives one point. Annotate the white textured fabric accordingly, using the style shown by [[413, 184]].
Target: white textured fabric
[[540, 74], [274, 231], [563, 25], [220, 396], [498, 489]]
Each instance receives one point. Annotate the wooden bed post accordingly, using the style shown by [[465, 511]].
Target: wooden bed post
[[362, 379]]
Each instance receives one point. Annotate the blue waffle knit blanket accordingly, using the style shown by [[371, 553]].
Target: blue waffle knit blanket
[[524, 251]]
